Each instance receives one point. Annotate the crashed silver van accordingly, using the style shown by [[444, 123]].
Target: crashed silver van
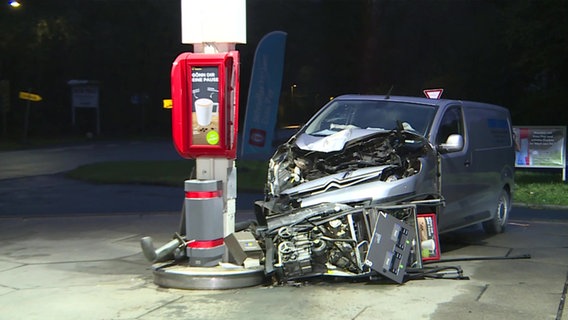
[[361, 155]]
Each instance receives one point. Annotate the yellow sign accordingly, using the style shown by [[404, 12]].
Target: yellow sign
[[167, 103], [29, 96]]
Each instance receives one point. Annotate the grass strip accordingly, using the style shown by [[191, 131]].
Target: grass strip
[[251, 175], [540, 188], [531, 187]]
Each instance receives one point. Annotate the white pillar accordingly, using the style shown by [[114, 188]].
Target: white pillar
[[215, 26]]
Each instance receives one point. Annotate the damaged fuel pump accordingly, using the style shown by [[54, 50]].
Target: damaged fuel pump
[[339, 240]]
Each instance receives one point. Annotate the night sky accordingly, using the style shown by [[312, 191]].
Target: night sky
[[511, 53]]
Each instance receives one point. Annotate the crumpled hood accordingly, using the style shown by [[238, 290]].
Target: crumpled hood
[[310, 164], [333, 142]]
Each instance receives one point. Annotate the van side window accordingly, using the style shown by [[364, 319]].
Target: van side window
[[452, 123]]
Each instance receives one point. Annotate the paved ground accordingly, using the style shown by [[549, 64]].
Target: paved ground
[[87, 264], [91, 267]]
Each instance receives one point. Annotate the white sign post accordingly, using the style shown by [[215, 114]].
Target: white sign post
[[214, 23], [214, 26], [85, 94]]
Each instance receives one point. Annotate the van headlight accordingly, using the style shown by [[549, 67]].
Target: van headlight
[[391, 178], [278, 175], [281, 175]]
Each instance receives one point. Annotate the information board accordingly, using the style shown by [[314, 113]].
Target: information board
[[85, 96], [540, 147]]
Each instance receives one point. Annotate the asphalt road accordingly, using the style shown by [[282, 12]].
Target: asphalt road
[[32, 182], [46, 161]]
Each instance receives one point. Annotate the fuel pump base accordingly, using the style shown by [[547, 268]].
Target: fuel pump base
[[224, 276], [203, 266]]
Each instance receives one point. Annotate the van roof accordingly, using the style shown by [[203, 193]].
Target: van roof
[[420, 100]]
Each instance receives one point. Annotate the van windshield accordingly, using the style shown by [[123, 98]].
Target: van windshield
[[371, 115]]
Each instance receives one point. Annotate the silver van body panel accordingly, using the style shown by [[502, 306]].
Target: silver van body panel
[[468, 181]]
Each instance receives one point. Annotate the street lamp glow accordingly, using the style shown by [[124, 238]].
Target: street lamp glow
[[14, 3], [292, 87]]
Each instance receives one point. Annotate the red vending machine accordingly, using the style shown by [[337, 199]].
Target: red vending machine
[[205, 104]]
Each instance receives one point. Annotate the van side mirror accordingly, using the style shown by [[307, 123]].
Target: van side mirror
[[452, 144]]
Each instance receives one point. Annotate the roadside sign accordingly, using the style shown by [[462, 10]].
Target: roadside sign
[[29, 96], [540, 147], [85, 95], [433, 93]]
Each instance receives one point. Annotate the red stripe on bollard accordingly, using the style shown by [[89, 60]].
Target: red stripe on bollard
[[203, 194], [205, 243]]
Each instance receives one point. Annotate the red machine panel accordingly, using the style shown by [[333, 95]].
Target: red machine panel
[[205, 98]]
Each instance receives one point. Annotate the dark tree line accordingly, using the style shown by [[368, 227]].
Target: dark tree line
[[511, 53]]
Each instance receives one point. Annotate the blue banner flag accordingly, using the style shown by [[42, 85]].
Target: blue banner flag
[[263, 96]]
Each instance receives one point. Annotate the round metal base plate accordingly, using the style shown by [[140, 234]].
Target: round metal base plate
[[224, 276]]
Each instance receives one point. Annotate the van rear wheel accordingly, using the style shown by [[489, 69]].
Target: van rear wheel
[[499, 221]]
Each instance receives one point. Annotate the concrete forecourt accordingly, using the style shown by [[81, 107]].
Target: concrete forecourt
[[64, 261]]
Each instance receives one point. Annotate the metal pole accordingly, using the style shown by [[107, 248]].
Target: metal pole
[[98, 122], [4, 122], [27, 118]]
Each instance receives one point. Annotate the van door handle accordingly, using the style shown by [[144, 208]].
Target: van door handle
[[467, 163]]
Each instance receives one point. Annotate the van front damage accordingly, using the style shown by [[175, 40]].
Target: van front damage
[[326, 194]]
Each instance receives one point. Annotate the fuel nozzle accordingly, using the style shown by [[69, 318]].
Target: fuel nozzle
[[165, 252]]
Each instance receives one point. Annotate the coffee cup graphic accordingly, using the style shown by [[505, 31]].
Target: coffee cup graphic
[[204, 111]]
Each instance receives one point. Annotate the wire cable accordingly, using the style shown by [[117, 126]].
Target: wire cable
[[521, 256], [436, 273]]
